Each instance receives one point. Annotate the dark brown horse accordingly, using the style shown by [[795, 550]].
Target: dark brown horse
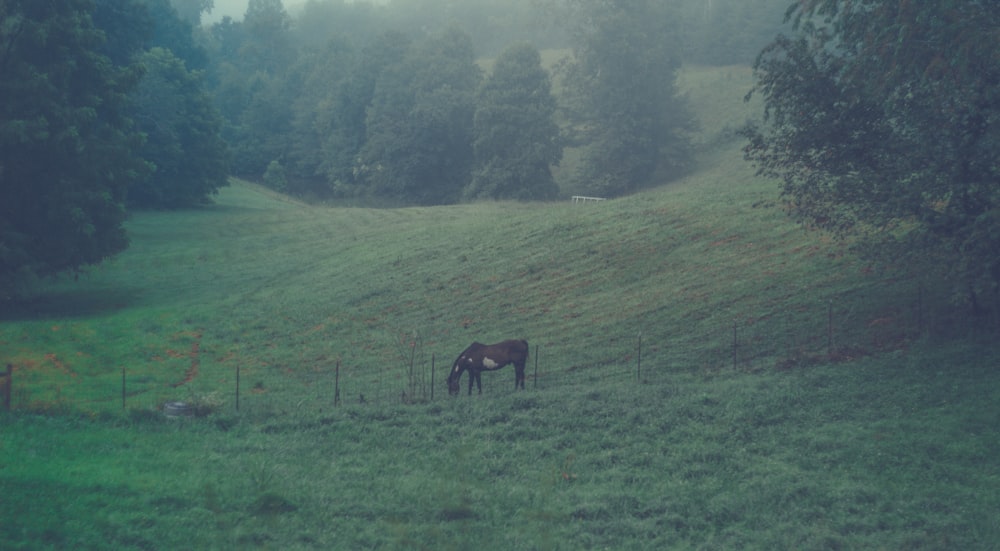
[[480, 357]]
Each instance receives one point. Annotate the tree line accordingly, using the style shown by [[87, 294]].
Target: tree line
[[107, 106], [880, 116], [391, 101], [397, 104]]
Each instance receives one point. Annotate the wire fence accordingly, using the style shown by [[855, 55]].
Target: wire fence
[[839, 330]]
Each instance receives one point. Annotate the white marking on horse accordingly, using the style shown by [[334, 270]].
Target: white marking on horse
[[489, 364]]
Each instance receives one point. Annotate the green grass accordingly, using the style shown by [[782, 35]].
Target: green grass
[[866, 456], [879, 435]]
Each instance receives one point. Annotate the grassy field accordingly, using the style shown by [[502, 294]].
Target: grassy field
[[789, 396]]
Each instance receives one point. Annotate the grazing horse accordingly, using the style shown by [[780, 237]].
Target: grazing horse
[[489, 357]]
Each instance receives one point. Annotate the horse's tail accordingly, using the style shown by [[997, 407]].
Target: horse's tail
[[527, 349]]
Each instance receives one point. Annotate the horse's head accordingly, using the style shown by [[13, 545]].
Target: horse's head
[[455, 375]]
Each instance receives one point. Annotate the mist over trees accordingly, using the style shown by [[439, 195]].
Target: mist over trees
[[111, 105], [381, 101], [622, 104], [516, 139], [181, 126], [727, 32], [883, 124]]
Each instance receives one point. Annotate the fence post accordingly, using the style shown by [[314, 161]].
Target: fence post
[[829, 329], [432, 376], [336, 385], [535, 383], [735, 345], [237, 387], [7, 384], [413, 380], [638, 359], [123, 388]]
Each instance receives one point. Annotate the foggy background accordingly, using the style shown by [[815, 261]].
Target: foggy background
[[237, 8], [232, 8]]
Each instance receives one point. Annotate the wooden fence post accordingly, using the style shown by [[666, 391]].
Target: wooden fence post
[[829, 329], [735, 345], [535, 382], [336, 385], [237, 387], [123, 388], [638, 359], [8, 382], [432, 376]]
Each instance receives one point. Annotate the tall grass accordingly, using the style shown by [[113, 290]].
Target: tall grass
[[752, 426]]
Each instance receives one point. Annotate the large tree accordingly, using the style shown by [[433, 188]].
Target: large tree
[[516, 137], [183, 143], [882, 121], [419, 145], [620, 89], [255, 89], [182, 129], [67, 148], [343, 117], [323, 73]]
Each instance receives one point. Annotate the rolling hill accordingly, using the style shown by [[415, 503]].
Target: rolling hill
[[703, 374]]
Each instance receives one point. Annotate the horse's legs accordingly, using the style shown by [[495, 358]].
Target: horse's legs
[[518, 376], [472, 376], [479, 381]]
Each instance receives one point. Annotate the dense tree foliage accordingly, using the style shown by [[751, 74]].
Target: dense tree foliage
[[67, 148], [382, 99], [172, 32], [883, 122], [354, 98], [253, 85], [171, 107], [516, 137], [419, 142], [621, 91], [183, 143], [343, 120], [317, 116], [90, 123]]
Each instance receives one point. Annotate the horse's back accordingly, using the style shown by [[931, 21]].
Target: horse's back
[[474, 348], [508, 350], [516, 348]]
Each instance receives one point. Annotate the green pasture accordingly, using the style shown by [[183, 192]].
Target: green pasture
[[709, 376]]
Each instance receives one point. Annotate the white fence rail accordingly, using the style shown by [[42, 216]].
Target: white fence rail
[[585, 199]]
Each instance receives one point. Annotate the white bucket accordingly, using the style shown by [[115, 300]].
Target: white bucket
[[178, 409]]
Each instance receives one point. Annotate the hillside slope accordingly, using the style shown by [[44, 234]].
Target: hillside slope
[[708, 376], [283, 288]]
